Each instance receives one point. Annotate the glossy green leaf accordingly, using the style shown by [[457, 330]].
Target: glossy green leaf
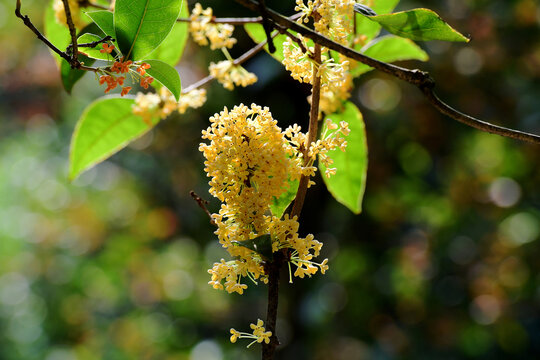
[[166, 75], [279, 205], [348, 184], [71, 76], [172, 48], [106, 126], [369, 28], [94, 52], [105, 21], [257, 34], [390, 48], [141, 25], [57, 33], [418, 24]]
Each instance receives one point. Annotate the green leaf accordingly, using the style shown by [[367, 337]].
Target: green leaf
[[105, 21], [279, 205], [71, 76], [172, 48], [348, 184], [94, 52], [106, 126], [166, 75], [369, 28], [261, 245], [418, 24], [257, 34], [57, 33], [141, 25], [390, 48]]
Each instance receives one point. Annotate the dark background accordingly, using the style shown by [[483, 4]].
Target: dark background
[[441, 264]]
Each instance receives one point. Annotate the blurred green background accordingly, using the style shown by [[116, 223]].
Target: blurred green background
[[441, 264]]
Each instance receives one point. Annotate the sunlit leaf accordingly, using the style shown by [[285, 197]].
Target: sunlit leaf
[[369, 28], [172, 48], [106, 126], [257, 34], [390, 48], [418, 24], [348, 184], [105, 21], [166, 75], [279, 205], [141, 25], [95, 52]]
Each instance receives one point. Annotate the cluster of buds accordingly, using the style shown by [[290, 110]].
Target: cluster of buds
[[114, 76]]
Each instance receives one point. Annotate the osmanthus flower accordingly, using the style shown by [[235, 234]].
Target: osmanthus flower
[[259, 334], [229, 74], [116, 74], [193, 99], [152, 105], [249, 160], [205, 32]]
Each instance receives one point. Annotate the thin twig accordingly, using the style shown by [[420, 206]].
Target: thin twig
[[30, 25], [94, 5], [312, 132], [230, 21], [239, 61], [421, 79], [93, 43], [72, 32], [272, 269], [202, 204], [267, 26]]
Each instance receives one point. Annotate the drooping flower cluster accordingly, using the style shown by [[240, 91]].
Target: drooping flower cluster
[[229, 74], [150, 105], [259, 334], [204, 31], [249, 160], [334, 19], [116, 74]]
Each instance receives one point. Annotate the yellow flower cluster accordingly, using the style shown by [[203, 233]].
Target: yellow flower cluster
[[336, 19], [204, 30], [259, 334], [249, 161], [336, 82], [193, 99], [163, 103], [230, 75], [60, 14]]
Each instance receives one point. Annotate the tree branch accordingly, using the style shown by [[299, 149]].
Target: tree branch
[[72, 33], [419, 78], [272, 269], [238, 61], [230, 21], [312, 132]]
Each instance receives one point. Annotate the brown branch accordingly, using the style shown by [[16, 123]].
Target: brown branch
[[26, 20], [202, 204], [72, 33], [312, 132], [238, 61], [421, 79], [230, 21], [92, 44], [94, 5], [272, 270], [74, 62]]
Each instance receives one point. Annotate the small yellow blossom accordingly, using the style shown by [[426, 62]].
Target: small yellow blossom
[[193, 99], [230, 75], [204, 31]]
